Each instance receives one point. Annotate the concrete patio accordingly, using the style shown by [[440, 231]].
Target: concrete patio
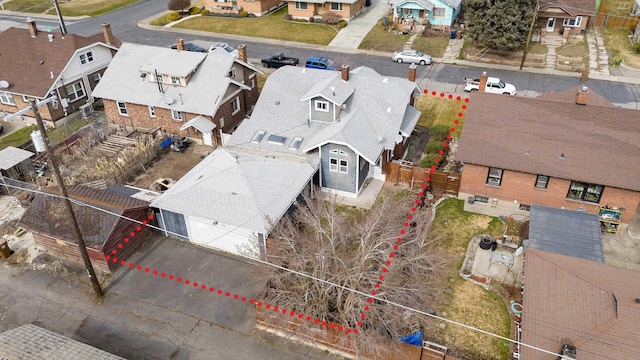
[[367, 197], [501, 265]]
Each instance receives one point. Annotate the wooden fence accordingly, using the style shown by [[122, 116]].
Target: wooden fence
[[407, 174], [606, 20]]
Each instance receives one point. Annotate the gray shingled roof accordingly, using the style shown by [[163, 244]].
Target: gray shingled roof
[[566, 232], [205, 88], [239, 187], [425, 3], [333, 89], [411, 117]]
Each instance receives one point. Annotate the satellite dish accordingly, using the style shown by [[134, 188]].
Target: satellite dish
[[168, 100], [399, 139], [4, 84]]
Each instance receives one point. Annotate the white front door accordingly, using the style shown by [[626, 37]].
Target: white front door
[[551, 23], [206, 139]]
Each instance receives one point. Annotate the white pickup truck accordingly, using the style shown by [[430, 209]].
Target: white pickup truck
[[494, 86]]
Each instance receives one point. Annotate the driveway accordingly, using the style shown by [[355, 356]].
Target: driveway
[[192, 265]]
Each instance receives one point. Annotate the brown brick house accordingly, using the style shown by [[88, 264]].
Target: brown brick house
[[199, 95], [255, 7], [565, 15], [39, 64], [551, 151], [347, 9], [102, 231]]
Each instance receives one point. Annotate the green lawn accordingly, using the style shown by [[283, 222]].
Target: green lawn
[[574, 48], [68, 8], [271, 26], [17, 137], [440, 111], [434, 45], [61, 132], [617, 43], [30, 6], [380, 39]]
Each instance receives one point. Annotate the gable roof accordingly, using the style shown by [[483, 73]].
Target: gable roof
[[573, 8], [47, 214], [566, 232], [239, 187], [206, 87], [584, 303], [27, 63], [499, 130], [428, 4]]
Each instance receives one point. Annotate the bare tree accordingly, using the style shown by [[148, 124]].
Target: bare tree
[[179, 5], [350, 248]]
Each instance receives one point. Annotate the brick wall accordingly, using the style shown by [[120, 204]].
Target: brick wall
[[348, 11], [521, 187], [257, 7], [303, 14], [47, 113]]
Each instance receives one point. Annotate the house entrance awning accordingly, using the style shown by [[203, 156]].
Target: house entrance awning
[[12, 156], [200, 123]]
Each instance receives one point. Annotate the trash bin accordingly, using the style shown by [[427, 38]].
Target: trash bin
[[453, 35], [5, 251], [471, 199]]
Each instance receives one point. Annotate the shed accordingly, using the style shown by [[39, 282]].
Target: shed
[[101, 217], [14, 162], [566, 232]]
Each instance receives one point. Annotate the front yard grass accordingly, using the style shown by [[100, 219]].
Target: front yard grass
[[575, 47], [272, 26], [434, 45], [61, 132], [17, 137], [440, 111], [68, 8], [617, 43], [619, 7], [30, 6], [380, 39]]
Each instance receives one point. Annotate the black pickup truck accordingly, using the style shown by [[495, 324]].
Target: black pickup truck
[[278, 60]]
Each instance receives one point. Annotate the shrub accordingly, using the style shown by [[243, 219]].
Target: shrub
[[429, 160], [312, 19], [636, 48], [194, 10], [174, 16], [438, 132], [288, 17], [433, 146], [244, 14], [205, 12], [179, 5], [342, 23], [331, 17], [616, 61]]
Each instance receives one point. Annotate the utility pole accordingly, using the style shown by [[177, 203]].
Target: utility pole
[[67, 203], [63, 27], [533, 21]]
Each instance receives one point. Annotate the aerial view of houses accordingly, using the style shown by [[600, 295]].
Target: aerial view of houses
[[335, 202]]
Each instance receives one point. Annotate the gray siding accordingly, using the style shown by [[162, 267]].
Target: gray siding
[[324, 116], [335, 179], [363, 172], [174, 223]]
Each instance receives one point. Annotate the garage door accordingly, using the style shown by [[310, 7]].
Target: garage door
[[222, 237]]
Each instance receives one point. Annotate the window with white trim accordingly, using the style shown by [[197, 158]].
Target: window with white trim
[[96, 78], [6, 98], [159, 78], [176, 115], [232, 73], [122, 108], [75, 91], [235, 105], [333, 164], [86, 57], [574, 22], [322, 106], [344, 166], [301, 5], [221, 122], [25, 99], [494, 177], [585, 192], [336, 6], [175, 80], [438, 12], [152, 111], [542, 181], [253, 83]]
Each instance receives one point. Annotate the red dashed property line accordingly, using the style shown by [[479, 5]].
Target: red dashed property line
[[406, 224]]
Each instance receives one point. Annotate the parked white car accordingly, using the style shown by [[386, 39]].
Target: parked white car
[[494, 86], [411, 56], [228, 48]]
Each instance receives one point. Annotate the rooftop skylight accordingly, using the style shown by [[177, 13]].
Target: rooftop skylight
[[257, 137]]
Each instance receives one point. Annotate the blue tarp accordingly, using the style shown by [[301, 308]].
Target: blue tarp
[[166, 143], [415, 339]]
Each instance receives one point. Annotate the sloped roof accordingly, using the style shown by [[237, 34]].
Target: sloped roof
[[588, 304], [201, 123], [22, 56], [333, 89], [424, 3], [239, 187], [499, 130], [12, 156], [47, 214], [569, 96], [566, 232], [573, 8], [411, 117], [205, 89]]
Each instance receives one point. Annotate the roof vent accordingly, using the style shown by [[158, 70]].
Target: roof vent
[[389, 110], [385, 80], [568, 352], [638, 300], [562, 156], [277, 102], [50, 36]]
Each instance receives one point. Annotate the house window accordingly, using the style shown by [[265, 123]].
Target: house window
[[336, 6], [253, 83], [585, 192], [438, 12], [221, 122], [25, 99], [575, 22], [176, 115], [235, 105], [159, 78], [86, 57], [122, 108], [301, 5], [333, 164], [322, 106], [542, 181], [344, 166], [152, 111], [495, 176], [6, 98], [75, 91], [336, 151], [96, 78], [232, 73], [175, 80]]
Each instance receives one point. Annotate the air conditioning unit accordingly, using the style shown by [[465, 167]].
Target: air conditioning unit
[[86, 110]]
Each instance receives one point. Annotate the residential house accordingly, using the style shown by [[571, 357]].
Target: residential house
[[568, 16], [346, 9], [571, 150], [335, 130], [40, 64], [255, 7], [436, 14], [592, 307], [104, 225], [199, 95], [15, 163]]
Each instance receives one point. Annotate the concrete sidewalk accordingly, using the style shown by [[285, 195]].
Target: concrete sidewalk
[[358, 27]]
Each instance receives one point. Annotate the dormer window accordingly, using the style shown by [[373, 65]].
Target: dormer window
[[232, 73], [322, 106], [86, 57]]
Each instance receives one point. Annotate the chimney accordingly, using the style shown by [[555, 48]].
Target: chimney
[[106, 32], [242, 52], [345, 72], [582, 96], [483, 81], [412, 72], [180, 44], [33, 30]]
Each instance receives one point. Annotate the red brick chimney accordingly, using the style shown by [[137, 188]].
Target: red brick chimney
[[483, 81], [242, 52], [106, 32], [582, 96], [345, 72], [180, 44], [412, 72], [33, 29]]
